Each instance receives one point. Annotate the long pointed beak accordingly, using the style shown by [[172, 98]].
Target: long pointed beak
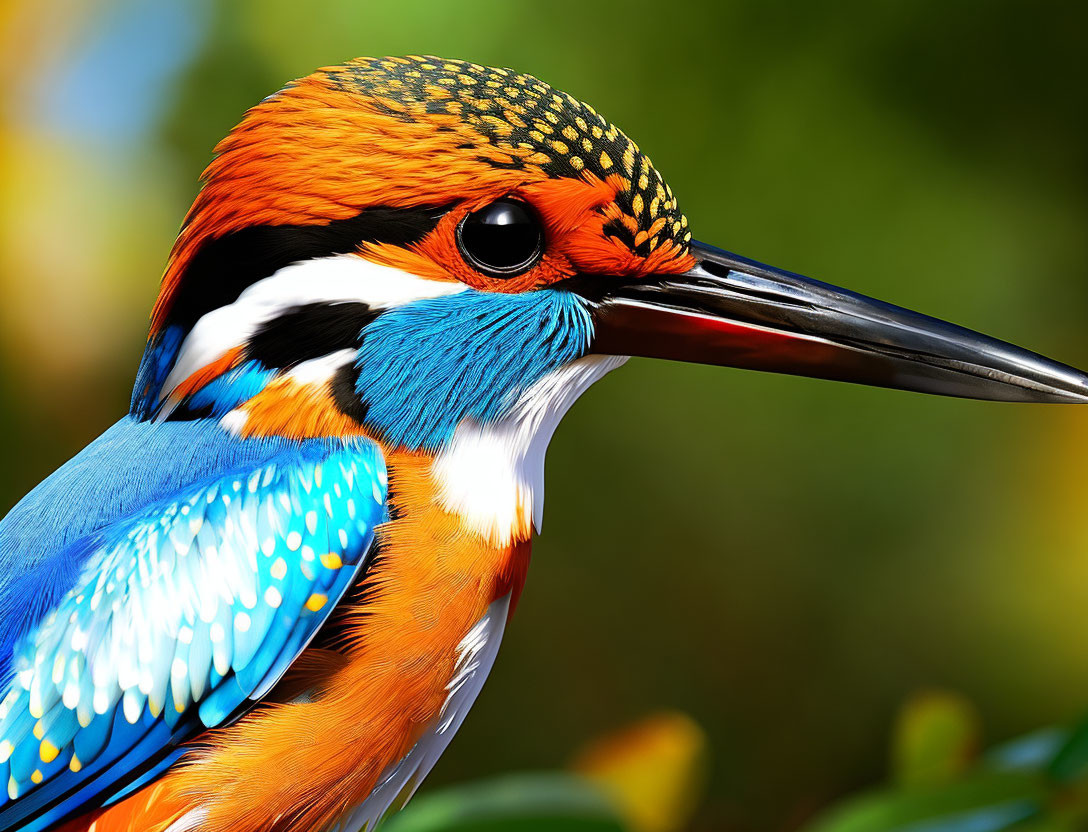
[[735, 312]]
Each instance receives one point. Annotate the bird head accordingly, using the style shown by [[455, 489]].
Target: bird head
[[409, 247], [413, 225]]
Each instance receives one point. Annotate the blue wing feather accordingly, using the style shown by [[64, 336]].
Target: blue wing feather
[[131, 466], [169, 616]]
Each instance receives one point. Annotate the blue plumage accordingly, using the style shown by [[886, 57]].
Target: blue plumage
[[156, 616], [425, 366], [158, 359], [223, 394], [132, 465]]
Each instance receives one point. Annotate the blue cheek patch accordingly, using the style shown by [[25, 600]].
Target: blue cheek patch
[[426, 366]]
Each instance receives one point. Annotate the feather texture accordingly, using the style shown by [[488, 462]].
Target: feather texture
[[476, 655], [426, 366], [180, 613]]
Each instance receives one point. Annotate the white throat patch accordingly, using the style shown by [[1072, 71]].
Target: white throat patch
[[493, 475]]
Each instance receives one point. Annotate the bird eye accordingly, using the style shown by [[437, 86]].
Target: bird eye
[[502, 239]]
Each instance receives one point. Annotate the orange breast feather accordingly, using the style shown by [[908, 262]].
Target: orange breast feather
[[298, 766]]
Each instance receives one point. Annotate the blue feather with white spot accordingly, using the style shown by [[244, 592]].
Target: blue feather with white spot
[[174, 615]]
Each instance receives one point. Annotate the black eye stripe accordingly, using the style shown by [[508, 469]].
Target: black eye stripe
[[307, 332], [503, 239], [225, 266]]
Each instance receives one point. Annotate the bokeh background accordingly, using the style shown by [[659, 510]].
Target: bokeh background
[[784, 560]]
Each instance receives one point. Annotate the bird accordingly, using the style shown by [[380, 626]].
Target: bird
[[266, 598]]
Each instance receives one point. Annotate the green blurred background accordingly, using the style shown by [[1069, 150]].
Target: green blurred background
[[785, 560]]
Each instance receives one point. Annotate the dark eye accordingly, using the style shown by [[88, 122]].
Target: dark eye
[[501, 239]]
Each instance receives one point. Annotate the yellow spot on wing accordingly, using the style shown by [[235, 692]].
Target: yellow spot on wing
[[48, 752]]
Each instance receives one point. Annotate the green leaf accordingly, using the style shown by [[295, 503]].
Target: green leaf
[[1032, 752], [936, 737], [1049, 824], [1071, 762], [985, 802], [519, 803]]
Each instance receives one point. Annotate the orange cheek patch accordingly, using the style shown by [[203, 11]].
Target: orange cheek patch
[[574, 213], [566, 204], [410, 260], [438, 255], [668, 258]]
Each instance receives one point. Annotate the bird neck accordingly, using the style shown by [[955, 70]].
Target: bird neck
[[491, 474], [472, 383], [488, 475]]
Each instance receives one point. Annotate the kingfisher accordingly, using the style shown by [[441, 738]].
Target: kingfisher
[[266, 598]]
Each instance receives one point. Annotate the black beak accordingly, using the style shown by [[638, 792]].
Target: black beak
[[735, 312]]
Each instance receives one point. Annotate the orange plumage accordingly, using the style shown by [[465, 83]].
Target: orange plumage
[[433, 581], [360, 155]]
